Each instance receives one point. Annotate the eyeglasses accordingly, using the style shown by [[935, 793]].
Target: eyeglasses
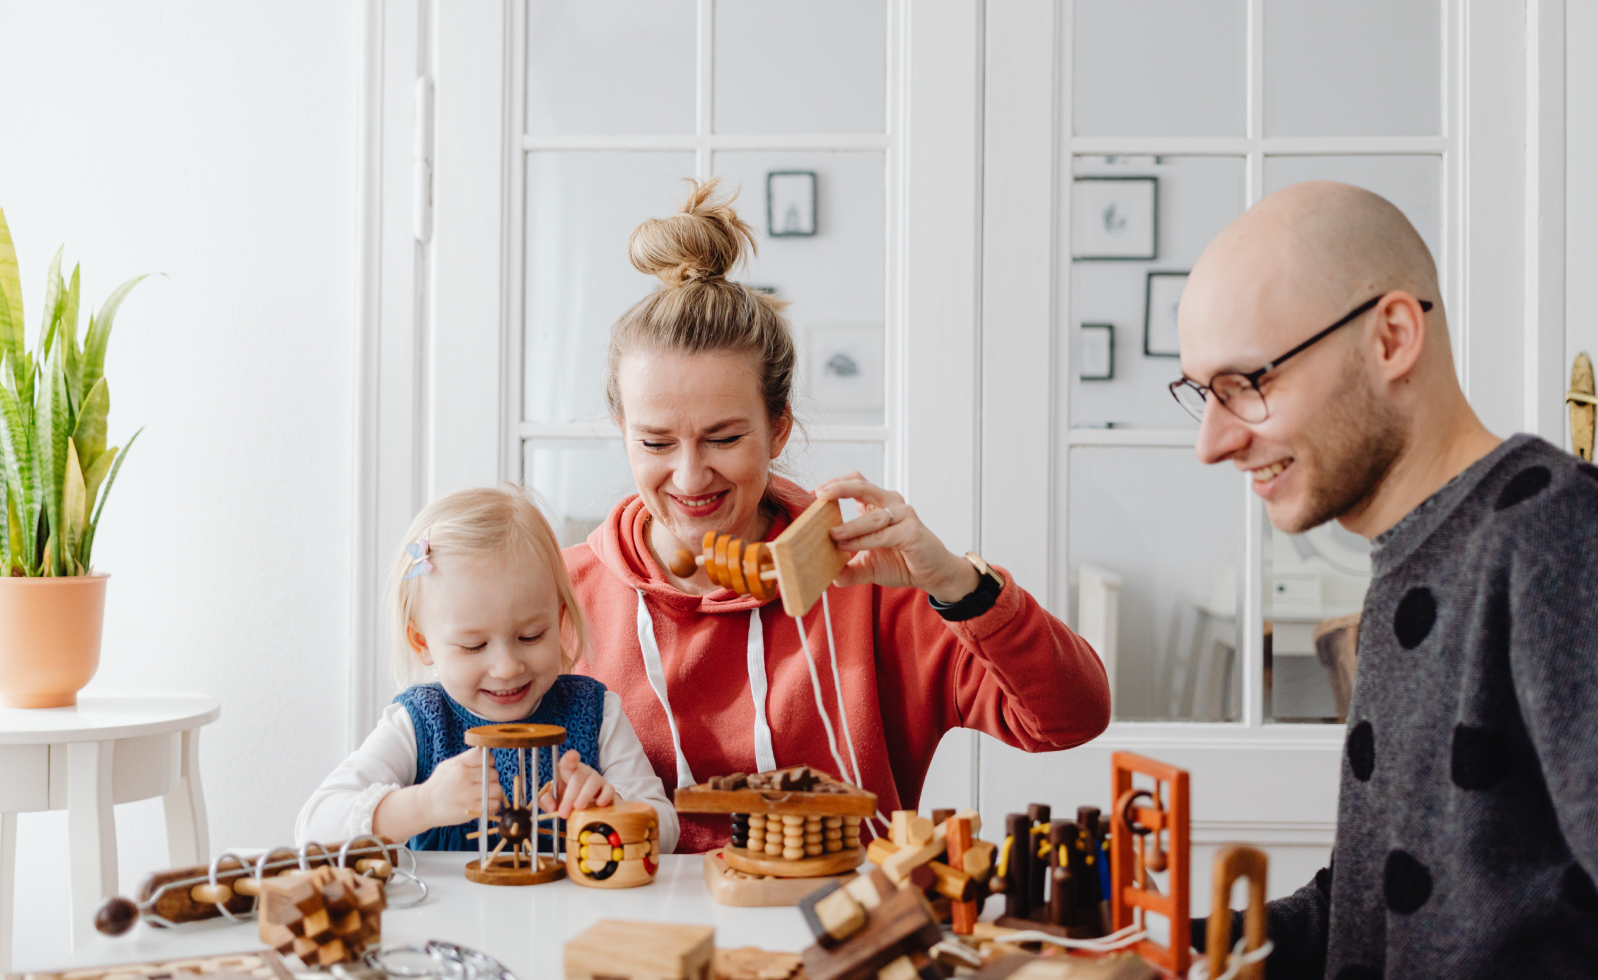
[[1240, 391]]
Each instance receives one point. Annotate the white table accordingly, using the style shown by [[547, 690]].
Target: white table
[[116, 745], [523, 928]]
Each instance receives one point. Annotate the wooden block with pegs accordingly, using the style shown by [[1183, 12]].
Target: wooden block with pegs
[[616, 950], [799, 564], [326, 916]]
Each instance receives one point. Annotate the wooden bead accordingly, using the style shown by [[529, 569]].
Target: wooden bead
[[793, 819], [793, 853], [813, 850], [832, 822], [774, 848], [813, 838], [832, 846], [831, 834], [757, 820]]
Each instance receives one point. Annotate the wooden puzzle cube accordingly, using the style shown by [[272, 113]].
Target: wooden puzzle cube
[[612, 948], [324, 916]]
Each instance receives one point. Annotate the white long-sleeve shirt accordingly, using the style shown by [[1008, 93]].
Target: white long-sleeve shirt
[[343, 805]]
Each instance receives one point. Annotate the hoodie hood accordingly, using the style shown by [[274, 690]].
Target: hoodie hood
[[622, 546]]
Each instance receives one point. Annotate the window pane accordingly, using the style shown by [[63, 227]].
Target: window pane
[[1156, 539], [577, 483], [1414, 184], [1159, 67], [1353, 68], [812, 67], [834, 279], [1315, 586], [610, 67], [1196, 198], [808, 463], [580, 209]]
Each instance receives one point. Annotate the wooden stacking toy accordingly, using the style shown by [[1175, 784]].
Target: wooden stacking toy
[[614, 846], [798, 565]]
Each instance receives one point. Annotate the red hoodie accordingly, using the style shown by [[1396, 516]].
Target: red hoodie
[[908, 676]]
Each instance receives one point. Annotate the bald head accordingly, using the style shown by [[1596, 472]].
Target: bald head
[[1305, 253], [1342, 412]]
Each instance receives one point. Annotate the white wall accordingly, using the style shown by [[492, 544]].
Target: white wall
[[215, 143]]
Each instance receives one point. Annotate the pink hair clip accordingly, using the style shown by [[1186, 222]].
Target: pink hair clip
[[419, 563]]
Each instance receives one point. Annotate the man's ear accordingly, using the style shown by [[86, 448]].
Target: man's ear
[[418, 643], [1401, 334]]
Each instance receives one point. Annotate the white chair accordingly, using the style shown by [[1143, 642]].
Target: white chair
[[1098, 612]]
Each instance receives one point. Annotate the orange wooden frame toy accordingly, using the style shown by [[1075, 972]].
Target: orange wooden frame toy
[[1166, 814]]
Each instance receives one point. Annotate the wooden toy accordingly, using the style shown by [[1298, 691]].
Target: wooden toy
[[231, 886], [954, 865], [1026, 966], [740, 889], [1050, 873], [1141, 815], [257, 965], [795, 822], [325, 916], [614, 846], [798, 565], [870, 929], [617, 950], [749, 963], [516, 823], [1231, 863]]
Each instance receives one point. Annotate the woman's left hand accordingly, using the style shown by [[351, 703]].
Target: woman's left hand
[[891, 546]]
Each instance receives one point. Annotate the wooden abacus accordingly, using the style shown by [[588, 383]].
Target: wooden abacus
[[795, 822], [1140, 814], [798, 565], [516, 823]]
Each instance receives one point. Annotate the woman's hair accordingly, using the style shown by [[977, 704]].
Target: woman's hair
[[698, 310], [470, 524]]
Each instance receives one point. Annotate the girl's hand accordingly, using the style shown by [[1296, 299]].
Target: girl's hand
[[891, 546], [455, 789], [581, 787]]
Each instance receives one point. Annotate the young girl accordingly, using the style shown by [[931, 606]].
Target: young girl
[[484, 609]]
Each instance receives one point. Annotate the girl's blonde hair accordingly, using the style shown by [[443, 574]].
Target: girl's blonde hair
[[471, 524], [698, 310]]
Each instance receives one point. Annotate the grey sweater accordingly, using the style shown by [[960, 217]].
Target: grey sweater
[[1467, 823]]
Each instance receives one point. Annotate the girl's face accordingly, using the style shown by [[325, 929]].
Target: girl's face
[[699, 442], [491, 627]]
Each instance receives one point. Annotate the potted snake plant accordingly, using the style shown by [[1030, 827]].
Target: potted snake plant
[[55, 473]]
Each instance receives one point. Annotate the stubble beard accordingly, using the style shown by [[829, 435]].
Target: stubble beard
[[1350, 454]]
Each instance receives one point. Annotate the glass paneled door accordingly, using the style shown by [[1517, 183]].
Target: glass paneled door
[[628, 99]]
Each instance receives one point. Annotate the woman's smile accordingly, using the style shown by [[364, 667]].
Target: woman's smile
[[701, 506]]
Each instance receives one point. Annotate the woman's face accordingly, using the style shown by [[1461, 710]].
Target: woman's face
[[699, 442]]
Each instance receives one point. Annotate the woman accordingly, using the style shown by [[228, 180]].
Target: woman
[[699, 378]]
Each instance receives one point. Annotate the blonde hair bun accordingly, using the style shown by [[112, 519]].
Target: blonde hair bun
[[703, 241]]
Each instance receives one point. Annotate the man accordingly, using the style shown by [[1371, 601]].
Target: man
[[1315, 352]]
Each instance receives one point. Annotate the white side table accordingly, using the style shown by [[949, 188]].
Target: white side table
[[117, 745]]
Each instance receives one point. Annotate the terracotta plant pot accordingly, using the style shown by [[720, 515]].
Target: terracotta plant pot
[[49, 638]]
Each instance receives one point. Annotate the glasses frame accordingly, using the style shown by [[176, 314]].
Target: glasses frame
[[1253, 377]]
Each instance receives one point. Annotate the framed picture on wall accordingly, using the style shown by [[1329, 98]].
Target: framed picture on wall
[[1114, 217], [1096, 352], [1161, 297], [790, 203]]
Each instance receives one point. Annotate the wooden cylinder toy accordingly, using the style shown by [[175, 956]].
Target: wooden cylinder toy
[[614, 846]]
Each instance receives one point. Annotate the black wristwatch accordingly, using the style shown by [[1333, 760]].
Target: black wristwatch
[[980, 599]]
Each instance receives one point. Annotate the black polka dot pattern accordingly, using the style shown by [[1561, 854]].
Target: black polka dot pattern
[[1359, 971], [1481, 757], [1362, 751], [1577, 891], [1417, 613], [1526, 484], [1407, 883]]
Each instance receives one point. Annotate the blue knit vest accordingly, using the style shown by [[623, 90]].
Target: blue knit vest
[[574, 702]]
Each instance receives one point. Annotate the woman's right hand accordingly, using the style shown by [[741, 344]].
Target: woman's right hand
[[454, 792]]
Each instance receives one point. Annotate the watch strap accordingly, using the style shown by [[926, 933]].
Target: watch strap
[[978, 600]]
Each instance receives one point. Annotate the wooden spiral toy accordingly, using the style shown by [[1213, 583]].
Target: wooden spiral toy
[[798, 565]]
